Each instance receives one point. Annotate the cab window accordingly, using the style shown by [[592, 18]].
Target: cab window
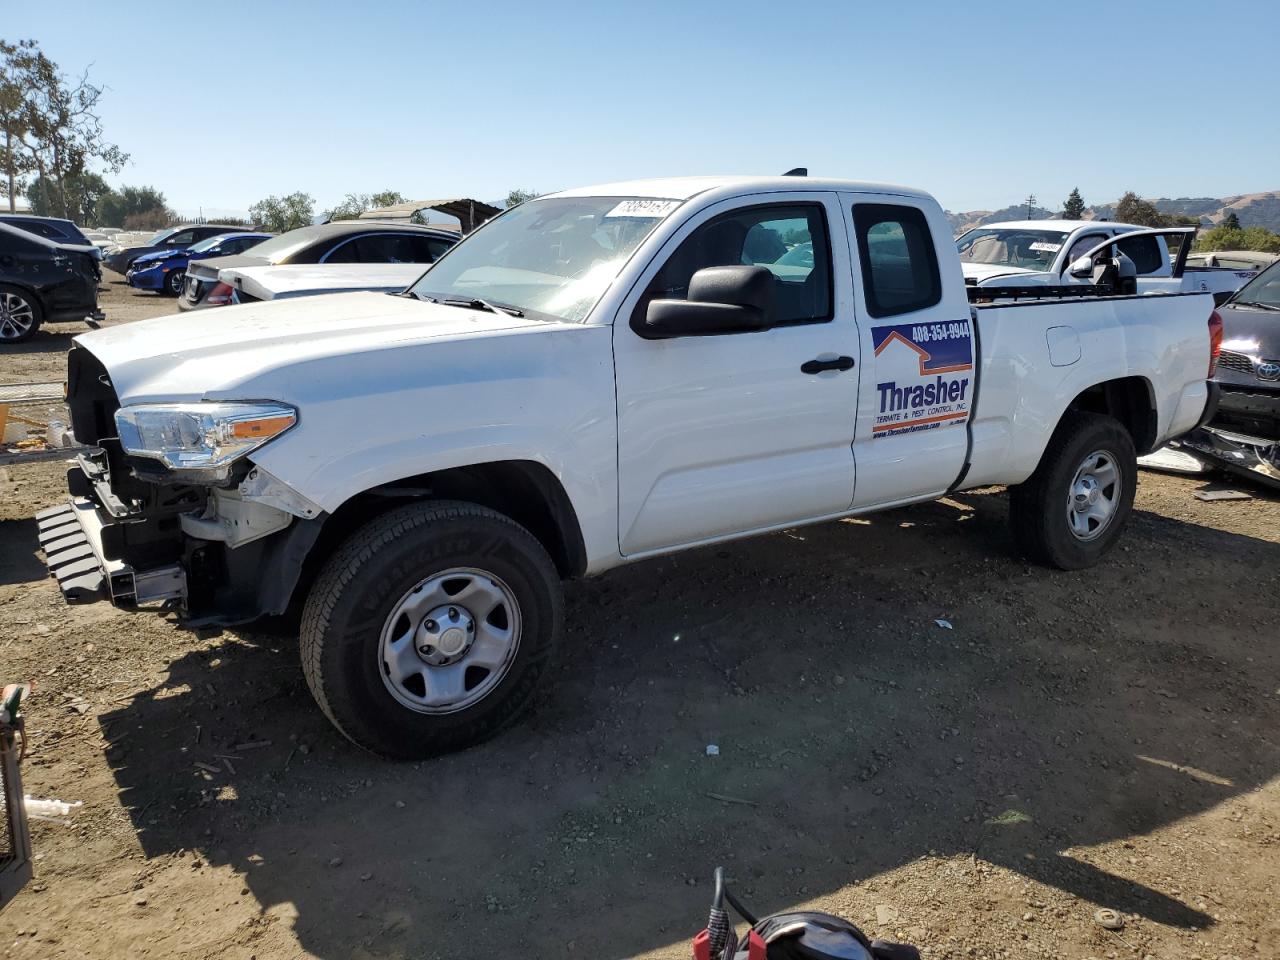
[[899, 262], [788, 240], [1143, 251], [1083, 246]]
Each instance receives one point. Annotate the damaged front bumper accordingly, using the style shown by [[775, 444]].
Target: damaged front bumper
[[214, 556], [1253, 457], [71, 538]]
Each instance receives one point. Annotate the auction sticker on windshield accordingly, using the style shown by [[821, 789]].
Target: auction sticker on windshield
[[1043, 246], [924, 375], [646, 208]]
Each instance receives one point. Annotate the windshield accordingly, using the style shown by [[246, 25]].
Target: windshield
[[1263, 289], [207, 244], [161, 236], [1010, 247], [555, 256]]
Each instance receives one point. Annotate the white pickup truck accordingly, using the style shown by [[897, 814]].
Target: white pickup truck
[[1062, 252], [589, 379]]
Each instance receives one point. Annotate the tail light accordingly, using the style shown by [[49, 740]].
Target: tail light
[[220, 296], [1215, 341]]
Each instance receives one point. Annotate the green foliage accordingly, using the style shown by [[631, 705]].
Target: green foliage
[[1224, 237], [357, 203], [279, 214], [518, 196], [49, 126], [1133, 209], [143, 206], [81, 191], [1073, 208], [1230, 221]]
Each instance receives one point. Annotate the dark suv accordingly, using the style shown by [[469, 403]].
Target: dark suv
[[41, 280], [172, 238], [1244, 433]]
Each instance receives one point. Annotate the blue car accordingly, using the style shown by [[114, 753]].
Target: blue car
[[165, 270]]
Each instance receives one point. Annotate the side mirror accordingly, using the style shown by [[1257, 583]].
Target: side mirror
[[721, 300], [1082, 267]]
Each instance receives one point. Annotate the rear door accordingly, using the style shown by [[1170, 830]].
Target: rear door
[[727, 434], [918, 380]]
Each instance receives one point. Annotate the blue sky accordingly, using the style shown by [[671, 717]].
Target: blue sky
[[221, 104]]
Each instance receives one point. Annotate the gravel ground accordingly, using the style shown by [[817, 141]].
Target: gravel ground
[[1074, 741]]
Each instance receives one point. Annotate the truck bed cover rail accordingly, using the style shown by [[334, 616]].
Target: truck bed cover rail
[[1073, 291]]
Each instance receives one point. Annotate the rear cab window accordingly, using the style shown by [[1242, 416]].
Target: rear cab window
[[899, 262]]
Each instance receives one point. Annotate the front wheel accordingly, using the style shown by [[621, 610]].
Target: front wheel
[[173, 282], [1074, 508], [430, 628]]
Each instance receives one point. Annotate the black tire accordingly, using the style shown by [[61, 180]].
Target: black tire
[[173, 283], [1039, 509], [20, 314], [371, 574]]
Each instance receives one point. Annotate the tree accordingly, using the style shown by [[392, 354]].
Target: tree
[[83, 192], [1231, 222], [1133, 209], [518, 196], [1223, 237], [1073, 209], [279, 214], [50, 125], [357, 203], [140, 204]]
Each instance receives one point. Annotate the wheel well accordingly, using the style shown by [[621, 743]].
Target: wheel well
[[1127, 399], [523, 490]]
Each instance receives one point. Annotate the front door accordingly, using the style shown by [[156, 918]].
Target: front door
[[726, 434]]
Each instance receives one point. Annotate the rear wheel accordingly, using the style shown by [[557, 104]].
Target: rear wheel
[[430, 628], [1074, 508], [20, 314]]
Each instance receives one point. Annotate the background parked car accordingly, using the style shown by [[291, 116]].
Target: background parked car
[[165, 270], [1233, 259], [251, 284], [59, 231], [343, 241], [172, 238], [41, 280]]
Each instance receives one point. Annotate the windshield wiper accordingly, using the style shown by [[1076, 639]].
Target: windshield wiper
[[475, 303], [1254, 303]]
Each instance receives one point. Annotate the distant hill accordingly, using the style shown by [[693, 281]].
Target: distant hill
[[1253, 209]]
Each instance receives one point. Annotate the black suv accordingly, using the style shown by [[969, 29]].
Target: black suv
[[172, 238], [41, 280]]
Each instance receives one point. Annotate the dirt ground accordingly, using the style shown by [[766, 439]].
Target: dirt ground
[[1074, 741]]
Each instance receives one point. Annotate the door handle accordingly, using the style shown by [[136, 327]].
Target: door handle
[[835, 363]]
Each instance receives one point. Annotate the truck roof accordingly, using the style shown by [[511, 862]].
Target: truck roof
[[1066, 226], [681, 188]]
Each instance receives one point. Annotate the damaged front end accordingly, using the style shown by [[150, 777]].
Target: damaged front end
[[1252, 457], [168, 509]]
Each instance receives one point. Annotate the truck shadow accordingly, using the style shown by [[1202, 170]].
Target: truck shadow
[[855, 734]]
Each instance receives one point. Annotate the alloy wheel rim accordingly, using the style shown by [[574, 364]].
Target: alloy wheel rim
[[449, 641], [16, 316], [1093, 499]]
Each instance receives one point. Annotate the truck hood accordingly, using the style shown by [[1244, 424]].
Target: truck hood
[[239, 352], [985, 271]]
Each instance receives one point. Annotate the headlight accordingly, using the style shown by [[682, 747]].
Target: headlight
[[200, 436]]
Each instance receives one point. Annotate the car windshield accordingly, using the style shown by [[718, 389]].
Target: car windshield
[[1263, 289], [161, 237], [554, 256], [207, 244], [1011, 247]]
